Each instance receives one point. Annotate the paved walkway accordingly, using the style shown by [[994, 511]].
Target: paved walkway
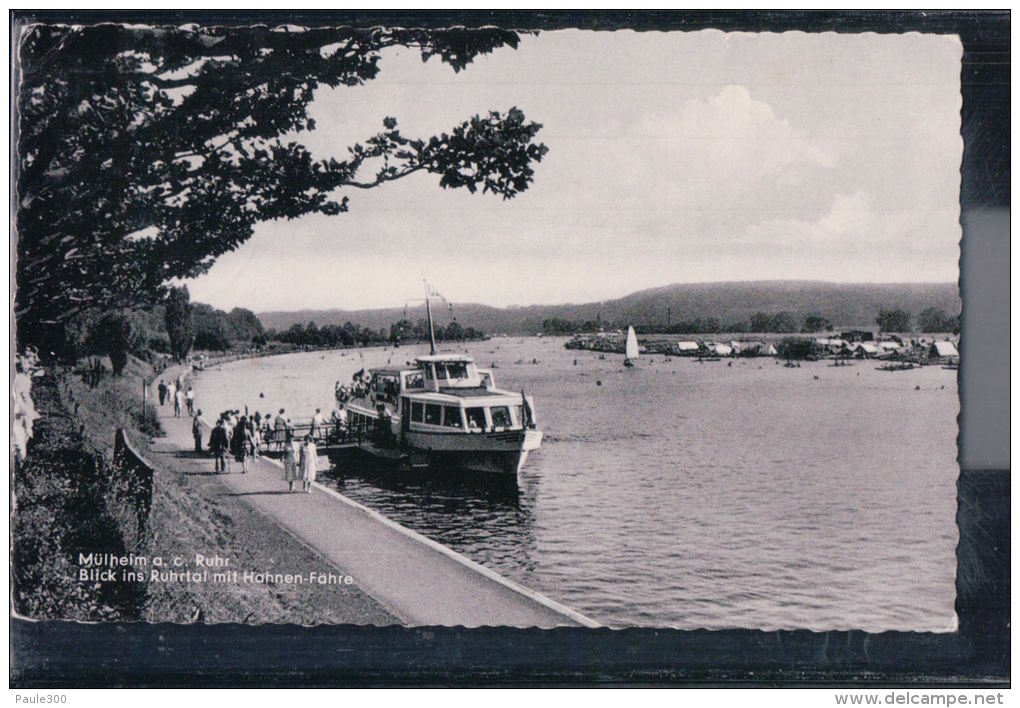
[[415, 578]]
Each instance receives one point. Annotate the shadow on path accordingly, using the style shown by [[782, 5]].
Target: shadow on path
[[258, 494]]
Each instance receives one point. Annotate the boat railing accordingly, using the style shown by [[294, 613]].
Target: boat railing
[[332, 432]]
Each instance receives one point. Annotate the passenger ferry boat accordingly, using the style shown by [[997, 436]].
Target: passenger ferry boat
[[444, 413]]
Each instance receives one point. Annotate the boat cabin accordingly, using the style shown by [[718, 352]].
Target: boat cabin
[[445, 393], [437, 372]]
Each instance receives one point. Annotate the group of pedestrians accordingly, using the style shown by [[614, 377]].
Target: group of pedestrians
[[300, 462], [174, 394], [240, 437], [234, 435]]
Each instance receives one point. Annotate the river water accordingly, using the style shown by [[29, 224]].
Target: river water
[[685, 494]]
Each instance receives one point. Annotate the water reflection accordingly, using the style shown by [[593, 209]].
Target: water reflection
[[491, 515], [683, 494]]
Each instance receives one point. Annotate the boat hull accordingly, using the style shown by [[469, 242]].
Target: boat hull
[[500, 453]]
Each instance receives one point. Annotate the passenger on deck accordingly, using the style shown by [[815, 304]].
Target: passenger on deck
[[338, 417], [475, 419], [318, 425]]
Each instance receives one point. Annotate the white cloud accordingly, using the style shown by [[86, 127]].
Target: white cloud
[[721, 160], [732, 128]]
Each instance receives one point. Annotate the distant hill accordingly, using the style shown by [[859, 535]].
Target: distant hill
[[845, 305]]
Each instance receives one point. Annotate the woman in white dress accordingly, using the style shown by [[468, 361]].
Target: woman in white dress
[[290, 461], [308, 463]]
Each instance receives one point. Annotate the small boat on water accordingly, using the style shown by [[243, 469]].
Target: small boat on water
[[905, 366], [443, 413], [631, 351]]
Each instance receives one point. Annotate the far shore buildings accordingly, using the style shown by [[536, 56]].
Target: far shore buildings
[[858, 344]]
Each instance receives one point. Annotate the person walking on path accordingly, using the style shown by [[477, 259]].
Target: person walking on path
[[308, 463], [240, 444], [256, 437], [280, 430], [290, 462], [178, 403], [196, 431], [190, 397], [219, 443], [162, 392]]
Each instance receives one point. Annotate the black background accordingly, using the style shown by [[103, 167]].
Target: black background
[[69, 654]]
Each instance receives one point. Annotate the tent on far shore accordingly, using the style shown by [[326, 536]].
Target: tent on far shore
[[943, 350]]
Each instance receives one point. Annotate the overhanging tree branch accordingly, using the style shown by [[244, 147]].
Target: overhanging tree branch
[[182, 130]]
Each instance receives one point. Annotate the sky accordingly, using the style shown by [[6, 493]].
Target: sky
[[673, 157]]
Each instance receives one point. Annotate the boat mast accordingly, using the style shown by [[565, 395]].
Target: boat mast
[[428, 312]]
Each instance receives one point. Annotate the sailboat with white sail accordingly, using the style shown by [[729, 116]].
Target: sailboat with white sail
[[631, 351]]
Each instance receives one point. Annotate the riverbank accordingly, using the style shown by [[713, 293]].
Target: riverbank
[[417, 580], [66, 503]]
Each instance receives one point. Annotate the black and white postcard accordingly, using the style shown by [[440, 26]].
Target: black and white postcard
[[476, 326]]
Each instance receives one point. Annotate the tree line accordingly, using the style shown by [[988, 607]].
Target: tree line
[[891, 319], [350, 334]]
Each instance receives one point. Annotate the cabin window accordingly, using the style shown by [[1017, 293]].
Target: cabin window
[[456, 370], [415, 380], [500, 416], [451, 417], [486, 379], [418, 412], [475, 418], [433, 414], [440, 370]]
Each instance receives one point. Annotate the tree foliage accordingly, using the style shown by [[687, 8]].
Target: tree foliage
[[778, 322], [816, 323], [179, 326], [146, 153], [216, 330], [115, 335], [893, 320], [759, 322], [932, 319]]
